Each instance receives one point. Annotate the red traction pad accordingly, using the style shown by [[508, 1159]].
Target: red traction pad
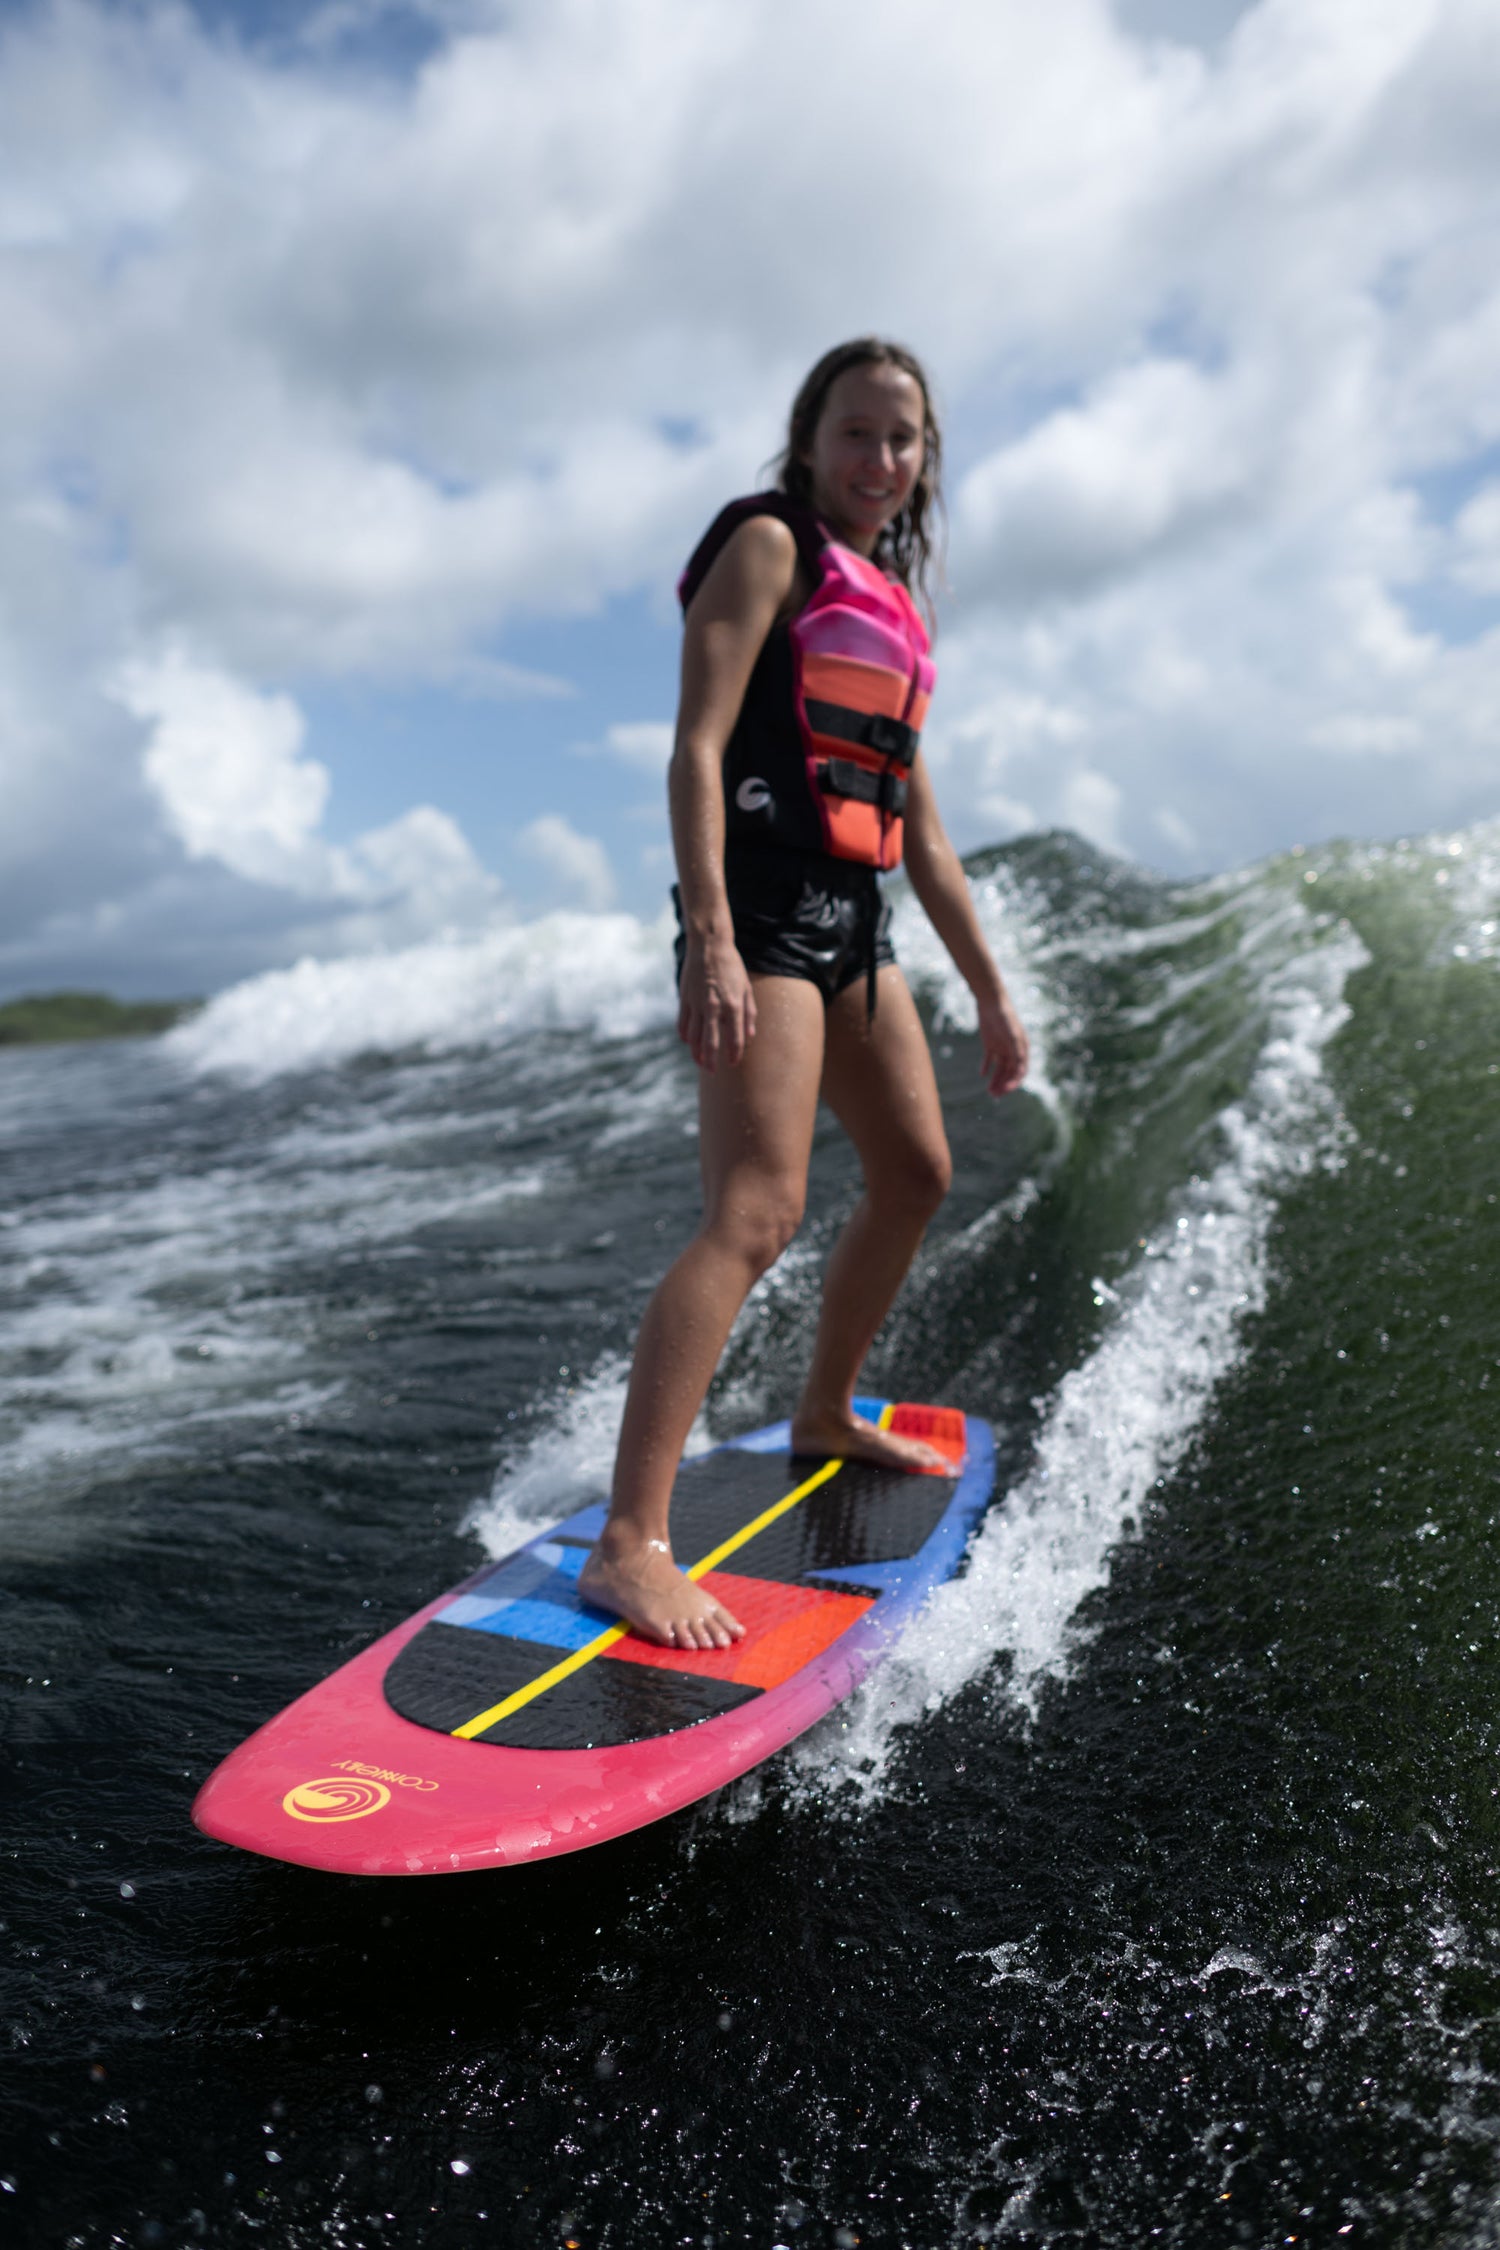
[[785, 1628]]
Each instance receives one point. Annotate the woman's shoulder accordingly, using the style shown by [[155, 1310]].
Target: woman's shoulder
[[767, 530]]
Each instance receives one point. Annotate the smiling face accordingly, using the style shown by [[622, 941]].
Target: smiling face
[[866, 451]]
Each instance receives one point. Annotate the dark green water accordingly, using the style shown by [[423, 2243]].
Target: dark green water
[[1149, 1896]]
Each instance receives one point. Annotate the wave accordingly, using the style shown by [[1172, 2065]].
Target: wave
[[605, 974], [1121, 1420], [608, 975]]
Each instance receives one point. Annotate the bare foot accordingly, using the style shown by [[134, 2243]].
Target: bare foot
[[639, 1581], [851, 1436]]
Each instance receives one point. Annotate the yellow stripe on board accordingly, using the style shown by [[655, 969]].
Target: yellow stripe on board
[[580, 1656], [586, 1655], [777, 1508]]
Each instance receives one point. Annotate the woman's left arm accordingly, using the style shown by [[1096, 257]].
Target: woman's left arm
[[939, 882]]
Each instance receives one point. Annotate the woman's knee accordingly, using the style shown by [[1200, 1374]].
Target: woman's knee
[[916, 1178], [757, 1223]]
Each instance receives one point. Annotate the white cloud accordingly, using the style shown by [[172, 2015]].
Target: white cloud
[[1175, 829], [579, 863], [226, 764], [643, 743], [1356, 733], [415, 877], [1476, 560], [322, 373], [228, 768], [1159, 456], [1091, 803]]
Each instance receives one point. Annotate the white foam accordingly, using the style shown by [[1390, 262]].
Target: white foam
[[1472, 875], [131, 1316], [608, 974], [1121, 1420]]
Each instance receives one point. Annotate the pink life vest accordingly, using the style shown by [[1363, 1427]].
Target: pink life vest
[[832, 716]]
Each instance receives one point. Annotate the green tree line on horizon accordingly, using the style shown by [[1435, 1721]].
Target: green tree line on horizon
[[50, 1018]]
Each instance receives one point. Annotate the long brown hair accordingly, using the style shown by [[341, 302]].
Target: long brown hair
[[910, 544]]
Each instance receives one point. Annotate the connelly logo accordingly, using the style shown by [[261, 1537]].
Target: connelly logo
[[753, 795], [336, 1797], [382, 1773]]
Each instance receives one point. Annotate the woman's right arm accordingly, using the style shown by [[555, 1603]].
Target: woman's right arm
[[749, 585]]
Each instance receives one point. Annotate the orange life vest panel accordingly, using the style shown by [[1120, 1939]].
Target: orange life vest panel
[[832, 717]]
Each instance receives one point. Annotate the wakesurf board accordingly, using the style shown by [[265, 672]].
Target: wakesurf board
[[509, 1720]]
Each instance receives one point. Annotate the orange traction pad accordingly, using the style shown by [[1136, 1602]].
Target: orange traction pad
[[785, 1628]]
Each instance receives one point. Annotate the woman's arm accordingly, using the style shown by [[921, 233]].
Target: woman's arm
[[747, 588], [938, 880]]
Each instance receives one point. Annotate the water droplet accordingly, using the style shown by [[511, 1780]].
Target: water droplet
[[458, 2164]]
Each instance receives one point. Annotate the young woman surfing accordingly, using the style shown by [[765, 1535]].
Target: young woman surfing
[[795, 777]]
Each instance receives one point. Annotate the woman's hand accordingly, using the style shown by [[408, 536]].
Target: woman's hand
[[716, 1010], [939, 882], [1007, 1050]]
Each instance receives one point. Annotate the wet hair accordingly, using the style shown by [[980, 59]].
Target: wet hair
[[910, 545]]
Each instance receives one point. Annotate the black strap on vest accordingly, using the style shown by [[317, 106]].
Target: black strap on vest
[[841, 777], [892, 738]]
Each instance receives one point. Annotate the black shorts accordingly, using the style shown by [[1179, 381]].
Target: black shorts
[[804, 914]]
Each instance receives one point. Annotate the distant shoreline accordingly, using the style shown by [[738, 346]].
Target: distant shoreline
[[52, 1019]]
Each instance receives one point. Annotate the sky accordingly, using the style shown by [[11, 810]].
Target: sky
[[370, 370]]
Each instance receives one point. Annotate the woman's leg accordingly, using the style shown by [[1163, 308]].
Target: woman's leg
[[756, 1123], [878, 1081]]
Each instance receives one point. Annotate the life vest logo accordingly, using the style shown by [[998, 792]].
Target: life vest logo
[[752, 795], [336, 1797]]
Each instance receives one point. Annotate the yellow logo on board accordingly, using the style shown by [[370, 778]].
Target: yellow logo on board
[[336, 1797]]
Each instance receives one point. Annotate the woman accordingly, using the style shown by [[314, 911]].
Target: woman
[[795, 771]]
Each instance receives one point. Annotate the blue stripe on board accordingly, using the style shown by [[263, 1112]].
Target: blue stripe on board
[[547, 1622], [587, 1524], [531, 1597], [775, 1438]]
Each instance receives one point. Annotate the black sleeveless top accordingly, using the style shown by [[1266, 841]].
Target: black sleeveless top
[[766, 796]]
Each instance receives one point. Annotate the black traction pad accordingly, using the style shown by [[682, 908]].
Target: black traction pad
[[604, 1704], [445, 1676], [861, 1515]]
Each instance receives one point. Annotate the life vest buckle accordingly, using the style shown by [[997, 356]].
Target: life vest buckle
[[841, 777]]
